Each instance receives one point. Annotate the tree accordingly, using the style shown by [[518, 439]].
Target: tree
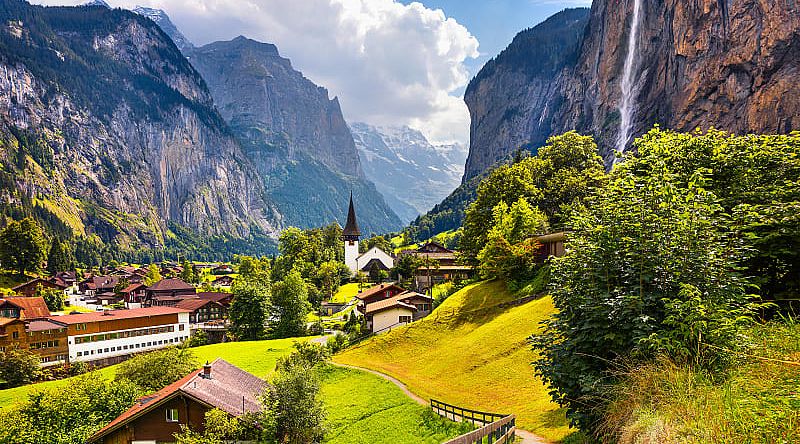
[[53, 297], [60, 257], [189, 274], [153, 275], [157, 369], [329, 276], [22, 246], [290, 306], [19, 367], [220, 428], [376, 241], [294, 412], [249, 310], [253, 270], [651, 268]]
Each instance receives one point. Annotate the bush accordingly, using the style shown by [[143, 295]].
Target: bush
[[336, 343], [19, 367], [197, 339], [157, 369]]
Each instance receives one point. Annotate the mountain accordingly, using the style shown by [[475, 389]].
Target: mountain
[[107, 130], [163, 21], [732, 65], [403, 164], [293, 133]]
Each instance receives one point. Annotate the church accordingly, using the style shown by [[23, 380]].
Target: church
[[374, 258]]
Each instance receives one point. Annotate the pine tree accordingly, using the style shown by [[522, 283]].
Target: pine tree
[[60, 257]]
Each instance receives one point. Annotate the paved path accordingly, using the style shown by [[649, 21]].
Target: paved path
[[526, 437]]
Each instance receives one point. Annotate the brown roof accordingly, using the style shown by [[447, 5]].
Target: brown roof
[[193, 304], [170, 284], [401, 300], [553, 237], [132, 287], [214, 295], [113, 315], [230, 389], [372, 291], [105, 281], [36, 282], [6, 321], [30, 308], [44, 324]]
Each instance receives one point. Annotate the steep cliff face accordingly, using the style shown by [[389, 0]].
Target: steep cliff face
[[106, 129], [165, 23], [513, 98], [403, 164], [729, 64], [293, 132]]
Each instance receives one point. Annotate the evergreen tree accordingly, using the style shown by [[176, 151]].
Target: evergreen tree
[[60, 257], [22, 246]]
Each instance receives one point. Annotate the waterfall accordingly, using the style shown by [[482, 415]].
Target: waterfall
[[628, 85]]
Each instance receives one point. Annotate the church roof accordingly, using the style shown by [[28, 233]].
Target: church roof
[[351, 227]]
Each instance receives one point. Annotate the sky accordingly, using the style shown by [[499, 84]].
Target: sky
[[390, 62]]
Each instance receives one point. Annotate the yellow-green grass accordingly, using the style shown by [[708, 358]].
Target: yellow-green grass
[[470, 353], [256, 357], [345, 293], [365, 409], [10, 279]]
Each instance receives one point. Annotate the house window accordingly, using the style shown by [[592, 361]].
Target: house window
[[180, 327], [15, 335], [172, 415], [404, 319]]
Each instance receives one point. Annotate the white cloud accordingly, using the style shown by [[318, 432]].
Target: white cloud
[[389, 63]]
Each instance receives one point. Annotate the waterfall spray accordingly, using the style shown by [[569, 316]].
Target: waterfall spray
[[628, 85]]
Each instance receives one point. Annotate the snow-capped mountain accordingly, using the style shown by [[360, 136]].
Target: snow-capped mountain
[[162, 20], [411, 172]]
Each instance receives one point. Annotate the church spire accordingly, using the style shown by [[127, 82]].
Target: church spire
[[351, 227]]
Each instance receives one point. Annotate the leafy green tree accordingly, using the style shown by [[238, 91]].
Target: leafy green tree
[[60, 257], [249, 310], [19, 367], [651, 268], [53, 297], [220, 428], [157, 369], [254, 270], [289, 306], [329, 276], [153, 275], [22, 246], [376, 241]]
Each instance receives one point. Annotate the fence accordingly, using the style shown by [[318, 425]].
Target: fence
[[494, 427]]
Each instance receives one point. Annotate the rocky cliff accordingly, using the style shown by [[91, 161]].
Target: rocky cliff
[[729, 64], [411, 172], [293, 133], [106, 129]]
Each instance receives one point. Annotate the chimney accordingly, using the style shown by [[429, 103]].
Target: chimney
[[206, 371]]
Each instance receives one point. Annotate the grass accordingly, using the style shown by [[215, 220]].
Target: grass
[[345, 293], [758, 400], [365, 409], [472, 354], [10, 279]]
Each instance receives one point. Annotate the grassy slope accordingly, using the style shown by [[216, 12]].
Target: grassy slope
[[469, 354], [9, 280], [345, 293]]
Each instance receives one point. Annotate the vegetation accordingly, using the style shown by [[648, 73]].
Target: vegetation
[[157, 369], [60, 257], [471, 353], [249, 310], [54, 298], [18, 367], [289, 306], [219, 428], [22, 246]]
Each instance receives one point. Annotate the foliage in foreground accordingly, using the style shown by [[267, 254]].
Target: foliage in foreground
[[157, 369], [18, 366], [756, 401]]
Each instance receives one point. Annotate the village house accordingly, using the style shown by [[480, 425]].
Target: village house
[[168, 292], [222, 269], [223, 281], [158, 417], [552, 245], [401, 309], [29, 289], [108, 337], [46, 339], [203, 311], [24, 308], [377, 293], [134, 295], [223, 298], [439, 264]]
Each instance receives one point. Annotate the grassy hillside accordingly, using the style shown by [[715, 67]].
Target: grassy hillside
[[472, 354]]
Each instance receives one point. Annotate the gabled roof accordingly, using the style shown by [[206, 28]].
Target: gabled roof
[[229, 388], [351, 227], [376, 289], [194, 304], [133, 287], [30, 308], [434, 247], [170, 284], [400, 300], [214, 296], [105, 281], [37, 281]]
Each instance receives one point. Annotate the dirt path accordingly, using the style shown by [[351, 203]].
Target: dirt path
[[526, 437]]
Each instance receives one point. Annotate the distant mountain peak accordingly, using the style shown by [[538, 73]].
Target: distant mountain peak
[[97, 3], [163, 21]]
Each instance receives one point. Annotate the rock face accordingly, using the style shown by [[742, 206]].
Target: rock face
[[292, 132], [403, 164], [729, 64], [163, 21], [106, 129]]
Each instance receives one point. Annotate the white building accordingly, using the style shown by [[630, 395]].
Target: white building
[[355, 261], [374, 257], [111, 335]]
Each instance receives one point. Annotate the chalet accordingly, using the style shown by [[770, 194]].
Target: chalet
[[222, 269], [222, 281], [69, 278], [12, 334], [331, 308], [134, 295], [223, 298], [108, 337], [169, 292], [98, 284], [29, 289], [374, 260], [377, 293], [158, 417], [24, 308], [109, 298], [43, 337], [439, 265], [397, 310], [202, 311], [552, 245]]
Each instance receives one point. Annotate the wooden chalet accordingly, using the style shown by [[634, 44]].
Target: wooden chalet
[[397, 310], [168, 292], [222, 269], [134, 293], [158, 417], [203, 310], [223, 298], [44, 337], [29, 289], [440, 265], [377, 293], [24, 308], [223, 281]]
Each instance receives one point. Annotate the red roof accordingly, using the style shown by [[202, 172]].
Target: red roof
[[214, 296], [44, 324], [374, 290], [113, 315], [170, 284], [132, 287], [193, 304], [30, 308], [401, 300], [230, 389]]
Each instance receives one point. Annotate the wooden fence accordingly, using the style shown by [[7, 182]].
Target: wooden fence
[[494, 427]]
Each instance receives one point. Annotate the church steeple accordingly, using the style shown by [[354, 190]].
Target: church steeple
[[351, 231]]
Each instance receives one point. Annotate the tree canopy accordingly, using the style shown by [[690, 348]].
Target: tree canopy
[[22, 246]]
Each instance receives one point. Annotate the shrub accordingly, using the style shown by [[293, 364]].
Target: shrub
[[157, 369]]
